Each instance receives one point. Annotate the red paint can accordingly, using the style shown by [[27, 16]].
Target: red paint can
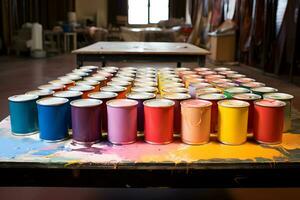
[[159, 116], [268, 121]]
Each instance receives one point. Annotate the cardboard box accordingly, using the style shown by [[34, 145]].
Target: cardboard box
[[222, 47]]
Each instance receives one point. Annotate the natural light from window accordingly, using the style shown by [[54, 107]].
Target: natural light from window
[[138, 12]]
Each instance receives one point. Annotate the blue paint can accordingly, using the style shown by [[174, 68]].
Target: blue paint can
[[53, 118], [71, 96], [23, 114]]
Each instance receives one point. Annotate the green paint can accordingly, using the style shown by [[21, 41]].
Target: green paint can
[[230, 92], [263, 90]]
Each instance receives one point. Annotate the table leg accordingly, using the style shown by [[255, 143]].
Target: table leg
[[103, 63], [178, 64], [65, 43], [75, 41], [201, 61], [79, 61]]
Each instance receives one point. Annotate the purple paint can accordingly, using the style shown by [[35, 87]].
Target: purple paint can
[[86, 121], [122, 121], [104, 97], [140, 98]]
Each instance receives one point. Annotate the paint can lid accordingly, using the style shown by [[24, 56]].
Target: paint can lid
[[177, 96], [207, 91], [235, 76], [144, 89], [221, 81], [206, 73], [237, 90], [142, 84], [81, 88], [219, 69], [147, 79], [253, 84], [244, 80], [159, 103], [176, 90], [88, 82], [102, 95], [264, 89], [212, 96], [118, 83], [227, 72], [40, 92], [201, 69], [114, 88], [51, 87], [140, 95], [122, 103], [61, 82], [52, 101], [112, 71], [81, 74], [111, 67], [82, 70], [215, 76], [67, 94], [23, 98], [227, 85], [122, 79], [71, 77], [126, 74], [246, 96], [195, 103], [278, 96], [233, 103], [89, 67], [270, 103], [95, 78], [168, 85], [200, 85], [86, 103], [103, 73]]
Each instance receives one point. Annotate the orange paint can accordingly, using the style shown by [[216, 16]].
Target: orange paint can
[[195, 121]]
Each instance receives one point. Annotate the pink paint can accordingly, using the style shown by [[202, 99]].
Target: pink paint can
[[122, 121]]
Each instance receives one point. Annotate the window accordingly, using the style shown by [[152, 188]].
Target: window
[[147, 11]]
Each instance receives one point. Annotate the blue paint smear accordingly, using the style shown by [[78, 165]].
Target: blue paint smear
[[11, 147], [48, 152]]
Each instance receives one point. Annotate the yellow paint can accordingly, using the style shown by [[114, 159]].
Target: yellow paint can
[[232, 121]]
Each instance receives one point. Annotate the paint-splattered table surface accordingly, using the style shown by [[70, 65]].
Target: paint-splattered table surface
[[22, 150]]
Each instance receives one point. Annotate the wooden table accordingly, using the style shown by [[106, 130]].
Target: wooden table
[[141, 51], [27, 161]]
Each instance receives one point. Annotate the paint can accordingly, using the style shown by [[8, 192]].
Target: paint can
[[71, 96], [213, 98], [145, 84], [159, 117], [95, 84], [177, 98], [41, 93], [194, 80], [88, 71], [144, 89], [73, 78], [220, 69], [251, 85], [85, 89], [172, 90], [104, 97], [122, 121], [125, 84], [140, 98], [224, 86], [268, 121], [232, 121], [201, 69], [229, 92], [99, 78], [263, 90], [23, 114], [250, 98], [226, 73], [53, 118], [110, 70], [241, 81], [211, 78], [81, 74], [207, 91], [207, 73], [193, 87], [235, 76], [86, 120], [196, 116], [55, 88], [122, 79], [287, 98], [107, 75], [66, 82], [91, 67], [221, 81], [121, 91]]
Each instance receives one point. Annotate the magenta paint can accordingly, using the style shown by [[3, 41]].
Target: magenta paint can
[[86, 121], [104, 97], [122, 121], [140, 98]]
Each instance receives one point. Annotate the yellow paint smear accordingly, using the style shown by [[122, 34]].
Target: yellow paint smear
[[290, 141]]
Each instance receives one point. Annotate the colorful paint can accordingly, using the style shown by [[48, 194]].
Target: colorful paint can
[[235, 76], [85, 89], [250, 98], [226, 73], [214, 98], [224, 86], [86, 120], [287, 98], [107, 75], [159, 118], [121, 91], [193, 87], [207, 91], [88, 71], [206, 73], [53, 118], [232, 121], [81, 74], [251, 85], [174, 90], [41, 93], [196, 116], [122, 121], [241, 81], [201, 69], [263, 90], [125, 84], [211, 78], [73, 78], [229, 92], [194, 80], [91, 67], [177, 98], [140, 98], [144, 89], [71, 96], [110, 70], [104, 97], [268, 121], [99, 78], [55, 88], [145, 84], [95, 84], [66, 82], [23, 114], [122, 79], [220, 69], [221, 81]]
